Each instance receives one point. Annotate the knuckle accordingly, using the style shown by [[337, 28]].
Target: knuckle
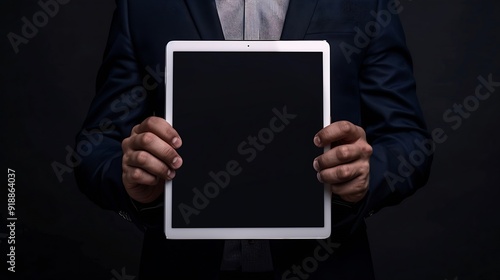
[[149, 122], [125, 144], [135, 128], [167, 126], [146, 139], [344, 172], [343, 153], [136, 174], [142, 158], [124, 170], [365, 167], [148, 180], [362, 131], [346, 127], [125, 159], [362, 185], [367, 149]]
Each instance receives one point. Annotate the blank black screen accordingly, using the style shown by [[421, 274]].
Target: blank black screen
[[247, 122]]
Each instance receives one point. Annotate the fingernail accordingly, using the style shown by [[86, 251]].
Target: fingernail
[[317, 141], [316, 165], [177, 162], [171, 174], [319, 177], [176, 142]]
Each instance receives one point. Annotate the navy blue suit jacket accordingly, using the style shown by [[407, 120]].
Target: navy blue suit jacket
[[372, 86]]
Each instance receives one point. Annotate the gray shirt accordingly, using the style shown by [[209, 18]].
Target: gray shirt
[[250, 20]]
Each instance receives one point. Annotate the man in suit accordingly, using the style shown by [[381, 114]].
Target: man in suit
[[377, 126]]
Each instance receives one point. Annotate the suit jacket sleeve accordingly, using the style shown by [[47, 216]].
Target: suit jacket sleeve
[[122, 101], [393, 120]]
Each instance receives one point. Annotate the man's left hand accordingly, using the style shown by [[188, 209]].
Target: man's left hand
[[346, 166]]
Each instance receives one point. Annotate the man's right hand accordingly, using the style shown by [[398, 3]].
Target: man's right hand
[[150, 158]]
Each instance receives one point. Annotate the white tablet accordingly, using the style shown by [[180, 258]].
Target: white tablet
[[247, 112]]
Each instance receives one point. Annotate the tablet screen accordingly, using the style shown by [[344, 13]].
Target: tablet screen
[[247, 122]]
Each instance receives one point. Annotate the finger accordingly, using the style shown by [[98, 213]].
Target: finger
[[337, 156], [149, 163], [134, 176], [339, 174], [134, 130], [162, 129], [352, 188], [156, 146], [144, 193], [344, 172], [343, 131]]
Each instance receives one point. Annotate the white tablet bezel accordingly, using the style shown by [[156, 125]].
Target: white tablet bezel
[[244, 46]]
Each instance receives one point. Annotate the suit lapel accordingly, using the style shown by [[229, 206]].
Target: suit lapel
[[206, 19], [297, 19]]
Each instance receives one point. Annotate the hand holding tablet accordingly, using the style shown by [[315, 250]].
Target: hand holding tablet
[[149, 158]]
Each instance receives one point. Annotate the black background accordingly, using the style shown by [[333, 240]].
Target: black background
[[448, 230]]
